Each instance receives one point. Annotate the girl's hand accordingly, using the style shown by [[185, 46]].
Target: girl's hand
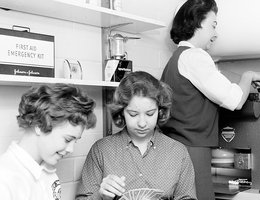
[[112, 186]]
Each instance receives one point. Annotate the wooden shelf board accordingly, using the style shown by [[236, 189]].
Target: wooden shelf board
[[13, 80], [80, 12]]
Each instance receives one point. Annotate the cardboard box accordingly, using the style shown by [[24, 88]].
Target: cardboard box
[[25, 53], [115, 69], [243, 161]]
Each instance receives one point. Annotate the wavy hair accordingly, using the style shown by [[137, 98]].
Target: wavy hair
[[143, 84], [189, 17], [45, 106]]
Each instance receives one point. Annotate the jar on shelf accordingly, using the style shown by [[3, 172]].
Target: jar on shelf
[[116, 5], [94, 2], [105, 3]]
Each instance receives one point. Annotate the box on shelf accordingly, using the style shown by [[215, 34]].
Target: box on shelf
[[116, 69], [105, 3], [25, 53], [243, 161]]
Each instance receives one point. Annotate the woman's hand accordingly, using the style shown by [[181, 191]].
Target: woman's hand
[[112, 186], [245, 84]]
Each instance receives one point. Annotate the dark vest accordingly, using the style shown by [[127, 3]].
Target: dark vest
[[194, 118]]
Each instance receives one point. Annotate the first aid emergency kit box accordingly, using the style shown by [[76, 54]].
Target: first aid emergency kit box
[[25, 53]]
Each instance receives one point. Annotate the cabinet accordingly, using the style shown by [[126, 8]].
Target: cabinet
[[239, 131], [79, 12], [226, 168]]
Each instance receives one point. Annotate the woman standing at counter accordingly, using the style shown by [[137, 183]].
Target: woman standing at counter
[[139, 156], [199, 88]]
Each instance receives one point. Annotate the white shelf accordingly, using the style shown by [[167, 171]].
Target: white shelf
[[13, 80], [80, 12]]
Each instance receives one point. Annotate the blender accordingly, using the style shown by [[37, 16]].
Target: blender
[[117, 64]]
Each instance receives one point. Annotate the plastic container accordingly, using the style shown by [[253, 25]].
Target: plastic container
[[117, 5]]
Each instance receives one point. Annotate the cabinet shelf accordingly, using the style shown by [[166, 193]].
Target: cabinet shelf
[[228, 189], [230, 168], [80, 12], [13, 80]]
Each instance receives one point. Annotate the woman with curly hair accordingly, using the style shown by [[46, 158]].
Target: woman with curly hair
[[52, 119], [138, 156]]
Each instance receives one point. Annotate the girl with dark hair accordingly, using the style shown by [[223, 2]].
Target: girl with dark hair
[[138, 156], [199, 88]]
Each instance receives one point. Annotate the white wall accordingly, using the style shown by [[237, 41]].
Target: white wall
[[83, 43], [153, 50], [72, 41], [238, 29]]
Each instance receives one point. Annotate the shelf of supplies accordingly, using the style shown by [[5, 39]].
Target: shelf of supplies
[[13, 80], [229, 168], [229, 189], [80, 12]]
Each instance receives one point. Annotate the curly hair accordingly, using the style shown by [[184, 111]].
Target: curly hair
[[189, 17], [143, 84], [45, 106]]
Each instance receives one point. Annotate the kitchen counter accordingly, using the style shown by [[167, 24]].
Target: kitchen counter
[[251, 194]]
